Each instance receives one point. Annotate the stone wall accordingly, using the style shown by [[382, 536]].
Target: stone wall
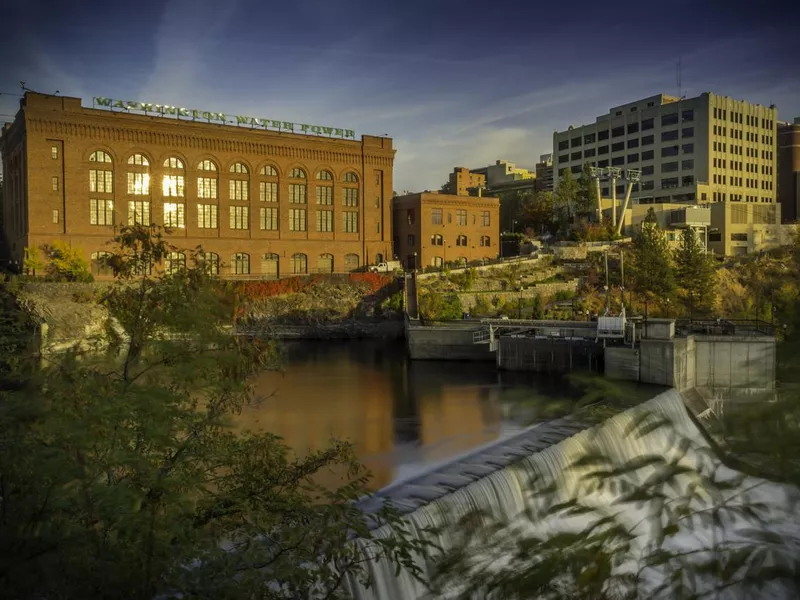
[[468, 299], [525, 262]]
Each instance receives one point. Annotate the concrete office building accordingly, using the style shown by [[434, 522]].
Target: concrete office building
[[544, 173], [789, 170], [431, 229], [705, 149], [263, 198]]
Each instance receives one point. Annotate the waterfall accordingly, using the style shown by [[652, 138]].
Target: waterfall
[[506, 491]]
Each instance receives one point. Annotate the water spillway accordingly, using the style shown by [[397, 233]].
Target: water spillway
[[497, 480]]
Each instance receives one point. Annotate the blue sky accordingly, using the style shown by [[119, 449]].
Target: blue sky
[[453, 82]]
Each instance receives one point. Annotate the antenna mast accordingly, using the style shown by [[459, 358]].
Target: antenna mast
[[680, 78]]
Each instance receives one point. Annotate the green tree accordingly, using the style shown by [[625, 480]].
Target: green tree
[[537, 212], [537, 309], [435, 306], [566, 196], [586, 201], [696, 273], [652, 265], [33, 262], [122, 478], [66, 263]]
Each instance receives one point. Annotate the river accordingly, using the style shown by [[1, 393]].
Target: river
[[402, 416]]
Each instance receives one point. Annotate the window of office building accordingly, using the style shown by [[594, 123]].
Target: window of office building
[[589, 153], [602, 163], [669, 119], [633, 128], [436, 216], [485, 241], [298, 264], [575, 155], [618, 131], [138, 184], [602, 150], [325, 221], [633, 158], [298, 190], [350, 221], [648, 140], [461, 240], [297, 219], [669, 167], [240, 263], [589, 138], [688, 164], [563, 145], [602, 135], [687, 132], [239, 217], [687, 114], [100, 181], [207, 165], [268, 191], [634, 143], [648, 170], [669, 151], [238, 189], [617, 161], [174, 215], [351, 196], [101, 212], [564, 158], [324, 195], [688, 148], [575, 142], [139, 212], [207, 187], [648, 185], [172, 184], [668, 136], [617, 146], [647, 124], [207, 216], [268, 219], [648, 155]]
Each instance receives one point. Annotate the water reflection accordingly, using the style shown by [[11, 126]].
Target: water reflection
[[402, 416]]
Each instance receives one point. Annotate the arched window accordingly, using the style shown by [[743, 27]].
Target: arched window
[[207, 182], [239, 184], [325, 263], [461, 240], [100, 267], [437, 261], [299, 264], [174, 262], [485, 240], [210, 263], [173, 183], [437, 240], [240, 265], [138, 175], [378, 258], [270, 266], [100, 156], [325, 189], [350, 197], [350, 177], [297, 190], [268, 190], [351, 261]]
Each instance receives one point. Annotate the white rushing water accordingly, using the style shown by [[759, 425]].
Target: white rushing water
[[506, 494]]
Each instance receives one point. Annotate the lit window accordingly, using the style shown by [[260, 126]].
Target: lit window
[[461, 240], [207, 165], [138, 159], [138, 212], [207, 216], [269, 219], [486, 241], [297, 193], [325, 176], [297, 219], [101, 212], [173, 186], [174, 262], [461, 217], [54, 152], [173, 162], [270, 264], [100, 181], [268, 191], [351, 196], [350, 177], [297, 173], [324, 194], [240, 264], [54, 184], [436, 240], [350, 222], [99, 263], [239, 217], [437, 261], [55, 215], [240, 168], [99, 156], [268, 171], [238, 189], [210, 263], [174, 215], [485, 218], [325, 220], [138, 184], [206, 187], [436, 216], [299, 264]]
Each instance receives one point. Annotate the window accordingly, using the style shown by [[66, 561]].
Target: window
[[270, 263], [173, 163], [647, 124], [172, 186], [633, 128], [687, 132], [297, 193], [461, 217], [634, 108], [174, 262], [55, 215], [687, 114], [99, 181], [618, 113], [617, 161], [575, 156], [648, 140], [687, 180], [268, 171], [485, 218], [589, 138], [436, 216], [669, 167], [350, 221], [669, 151], [647, 185], [268, 191], [410, 216], [210, 262], [324, 195], [268, 219], [138, 160], [602, 163], [688, 164], [240, 264], [207, 216], [485, 241], [206, 187], [325, 263], [174, 215], [461, 240], [669, 182], [576, 141], [670, 119], [299, 264], [351, 261], [239, 168], [239, 217], [617, 132], [589, 152], [602, 150], [634, 143], [576, 169], [100, 156], [618, 146], [563, 158], [54, 183], [138, 184], [738, 237], [437, 261], [602, 135], [101, 212], [563, 145], [207, 165], [648, 155], [688, 148], [437, 240], [138, 212], [297, 219], [351, 196], [668, 136], [648, 170], [325, 220], [633, 158], [99, 263], [350, 177], [238, 189], [410, 241]]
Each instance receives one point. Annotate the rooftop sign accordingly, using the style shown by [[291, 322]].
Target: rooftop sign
[[165, 110]]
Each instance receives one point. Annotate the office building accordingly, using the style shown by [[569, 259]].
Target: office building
[[264, 198], [544, 173], [789, 170], [463, 182], [705, 149], [432, 229]]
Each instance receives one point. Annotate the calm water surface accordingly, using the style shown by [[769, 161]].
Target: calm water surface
[[402, 416]]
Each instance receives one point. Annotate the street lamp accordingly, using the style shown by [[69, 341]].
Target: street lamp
[[415, 262]]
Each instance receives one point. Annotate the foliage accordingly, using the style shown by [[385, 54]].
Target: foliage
[[375, 281], [652, 265], [393, 303], [696, 273], [464, 279], [537, 308], [594, 232], [537, 212], [33, 262], [482, 306], [65, 263], [121, 476], [586, 199], [440, 307], [566, 196]]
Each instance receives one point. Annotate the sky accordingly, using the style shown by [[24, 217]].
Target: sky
[[454, 83]]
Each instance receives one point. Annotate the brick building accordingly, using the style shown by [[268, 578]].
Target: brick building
[[431, 229], [789, 170], [261, 203]]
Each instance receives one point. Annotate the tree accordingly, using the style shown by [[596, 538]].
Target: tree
[[121, 477], [440, 307], [652, 266], [696, 273], [566, 196], [66, 263], [586, 201], [537, 212], [33, 261]]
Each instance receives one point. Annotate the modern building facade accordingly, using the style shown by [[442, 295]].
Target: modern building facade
[[432, 229], [789, 170], [261, 203], [544, 173], [705, 149]]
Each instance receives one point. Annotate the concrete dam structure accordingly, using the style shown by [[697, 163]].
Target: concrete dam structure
[[496, 479]]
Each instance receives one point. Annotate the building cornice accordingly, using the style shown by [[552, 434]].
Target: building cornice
[[198, 140]]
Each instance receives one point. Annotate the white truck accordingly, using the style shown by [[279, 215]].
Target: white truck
[[385, 267]]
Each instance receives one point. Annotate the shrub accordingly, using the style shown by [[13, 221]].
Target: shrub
[[66, 263], [440, 307]]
